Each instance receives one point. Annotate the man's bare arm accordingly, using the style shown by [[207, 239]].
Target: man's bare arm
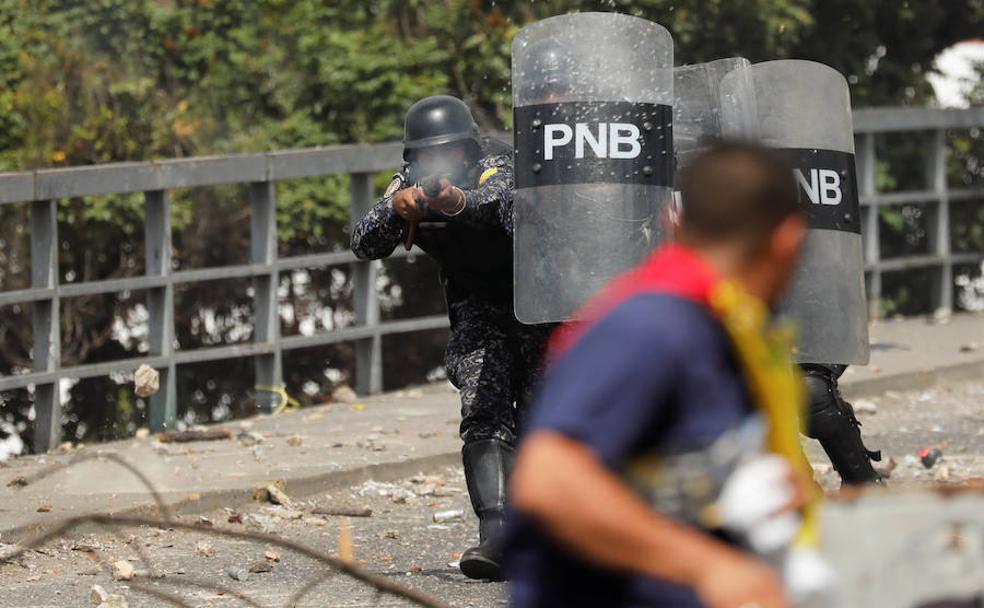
[[561, 485]]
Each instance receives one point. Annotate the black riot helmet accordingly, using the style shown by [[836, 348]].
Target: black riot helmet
[[436, 121]]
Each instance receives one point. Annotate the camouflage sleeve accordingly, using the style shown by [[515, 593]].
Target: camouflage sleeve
[[376, 235], [491, 202]]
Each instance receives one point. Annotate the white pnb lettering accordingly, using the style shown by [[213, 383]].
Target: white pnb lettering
[[623, 133], [610, 140], [583, 134], [550, 141], [823, 187]]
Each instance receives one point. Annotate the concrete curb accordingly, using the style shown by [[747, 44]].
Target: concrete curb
[[184, 503], [914, 380]]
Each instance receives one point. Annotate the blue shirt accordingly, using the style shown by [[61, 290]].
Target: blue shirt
[[656, 375]]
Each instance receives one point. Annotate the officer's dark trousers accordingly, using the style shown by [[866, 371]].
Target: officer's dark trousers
[[495, 361]]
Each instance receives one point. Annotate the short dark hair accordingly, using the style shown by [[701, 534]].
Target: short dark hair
[[737, 192]]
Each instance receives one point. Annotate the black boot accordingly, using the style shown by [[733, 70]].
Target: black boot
[[487, 465], [832, 422]]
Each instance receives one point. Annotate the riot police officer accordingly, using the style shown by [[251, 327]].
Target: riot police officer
[[463, 219]]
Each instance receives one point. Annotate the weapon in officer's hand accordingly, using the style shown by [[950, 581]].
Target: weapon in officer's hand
[[431, 186]]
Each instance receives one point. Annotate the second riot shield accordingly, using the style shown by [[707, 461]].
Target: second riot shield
[[804, 110], [712, 101], [592, 96]]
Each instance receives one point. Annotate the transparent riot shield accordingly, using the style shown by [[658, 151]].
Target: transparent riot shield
[[712, 101], [592, 96], [804, 109]]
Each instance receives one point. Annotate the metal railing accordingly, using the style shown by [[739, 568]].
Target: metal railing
[[937, 197], [261, 171]]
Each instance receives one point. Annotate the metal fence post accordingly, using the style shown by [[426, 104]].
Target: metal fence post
[[263, 222], [872, 254], [160, 305], [938, 225], [368, 351], [46, 323]]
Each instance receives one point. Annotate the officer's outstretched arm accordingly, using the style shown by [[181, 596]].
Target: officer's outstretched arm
[[376, 235], [490, 203]]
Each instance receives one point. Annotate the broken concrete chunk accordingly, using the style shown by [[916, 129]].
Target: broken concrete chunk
[[122, 570], [278, 496], [343, 393], [204, 549], [146, 381], [115, 601], [97, 595], [260, 567]]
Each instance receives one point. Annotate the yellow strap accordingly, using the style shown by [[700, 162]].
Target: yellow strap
[[487, 174], [764, 351]]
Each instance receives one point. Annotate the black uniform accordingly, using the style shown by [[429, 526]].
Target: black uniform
[[491, 357]]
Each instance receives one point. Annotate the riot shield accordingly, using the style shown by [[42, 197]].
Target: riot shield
[[592, 96], [712, 101], [804, 109]]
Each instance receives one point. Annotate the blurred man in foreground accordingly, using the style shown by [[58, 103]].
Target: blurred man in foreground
[[662, 457]]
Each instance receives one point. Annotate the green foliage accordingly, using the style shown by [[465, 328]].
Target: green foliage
[[95, 81]]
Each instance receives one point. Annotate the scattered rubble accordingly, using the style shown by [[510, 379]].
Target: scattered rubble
[[17, 482], [886, 468], [44, 508], [248, 439], [204, 549], [271, 556], [343, 393], [142, 433], [441, 517], [260, 567], [295, 440], [238, 573], [123, 570], [98, 595], [278, 496], [930, 456]]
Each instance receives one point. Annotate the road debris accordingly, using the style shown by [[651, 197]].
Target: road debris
[[248, 439], [115, 601], [314, 521], [930, 456], [17, 482], [343, 393], [260, 567], [123, 570], [970, 347], [44, 508], [295, 440], [235, 518], [204, 521], [346, 549], [204, 549], [97, 595], [278, 496], [194, 435], [394, 534], [238, 573], [142, 433], [441, 517], [271, 556], [146, 381], [886, 468]]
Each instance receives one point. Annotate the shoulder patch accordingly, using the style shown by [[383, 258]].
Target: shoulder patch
[[393, 187], [487, 174]]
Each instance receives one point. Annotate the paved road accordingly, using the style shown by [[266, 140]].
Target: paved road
[[402, 541]]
